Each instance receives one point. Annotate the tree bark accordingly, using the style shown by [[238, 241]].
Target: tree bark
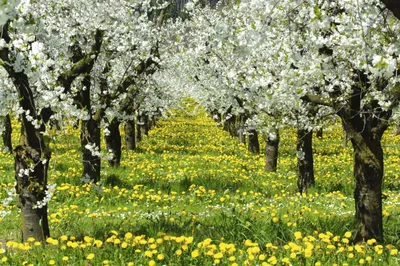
[[240, 129], [138, 131], [271, 153], [7, 133], [145, 124], [319, 133], [254, 145], [368, 173], [113, 142], [90, 135], [130, 139], [305, 161], [365, 131], [31, 159]]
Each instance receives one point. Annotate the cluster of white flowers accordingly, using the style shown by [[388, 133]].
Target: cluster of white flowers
[[48, 195], [11, 195]]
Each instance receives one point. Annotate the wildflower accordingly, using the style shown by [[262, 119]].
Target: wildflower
[[90, 256], [178, 252], [52, 262], [160, 256], [152, 263], [347, 235], [128, 235], [65, 258], [394, 252], [148, 253], [195, 253]]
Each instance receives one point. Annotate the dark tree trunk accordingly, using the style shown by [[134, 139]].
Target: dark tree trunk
[[130, 139], [319, 133], [145, 124], [230, 126], [138, 131], [305, 162], [7, 133], [254, 145], [368, 173], [90, 135], [365, 132], [271, 153], [113, 142], [216, 116], [240, 129], [31, 158], [31, 189]]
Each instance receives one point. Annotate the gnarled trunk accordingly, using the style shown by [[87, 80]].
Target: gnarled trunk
[[271, 152], [113, 142], [31, 159], [130, 139], [6, 135], [254, 145], [368, 173], [31, 187], [305, 161]]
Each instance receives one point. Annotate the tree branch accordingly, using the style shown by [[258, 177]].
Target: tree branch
[[317, 99]]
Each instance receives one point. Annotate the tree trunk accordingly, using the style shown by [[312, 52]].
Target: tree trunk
[[90, 136], [7, 133], [138, 131], [368, 173], [254, 145], [113, 142], [31, 187], [145, 124], [31, 159], [240, 129], [319, 133], [130, 140], [271, 153], [305, 162]]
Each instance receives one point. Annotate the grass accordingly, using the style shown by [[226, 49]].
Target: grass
[[192, 195]]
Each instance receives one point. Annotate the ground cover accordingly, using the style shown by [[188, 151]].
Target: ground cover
[[191, 195]]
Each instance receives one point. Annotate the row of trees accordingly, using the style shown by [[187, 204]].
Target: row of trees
[[269, 64], [258, 64], [89, 61]]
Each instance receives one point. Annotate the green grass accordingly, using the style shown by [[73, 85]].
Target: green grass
[[191, 195]]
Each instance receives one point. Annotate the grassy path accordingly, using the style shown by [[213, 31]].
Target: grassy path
[[192, 196]]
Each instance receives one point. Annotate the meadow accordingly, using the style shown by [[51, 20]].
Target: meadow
[[191, 195]]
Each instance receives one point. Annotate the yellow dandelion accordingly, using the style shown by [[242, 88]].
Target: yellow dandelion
[[195, 253]]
